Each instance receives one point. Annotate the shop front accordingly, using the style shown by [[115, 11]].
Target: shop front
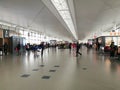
[[1, 42], [106, 41]]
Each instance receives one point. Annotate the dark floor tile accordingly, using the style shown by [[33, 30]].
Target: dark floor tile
[[35, 69], [25, 75], [52, 70], [42, 65], [84, 68], [46, 77], [56, 66]]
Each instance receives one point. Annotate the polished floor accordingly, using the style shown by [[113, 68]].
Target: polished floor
[[59, 69]]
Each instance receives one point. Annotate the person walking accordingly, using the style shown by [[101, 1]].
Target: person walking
[[112, 50], [42, 48], [5, 48], [77, 49], [18, 48], [70, 46]]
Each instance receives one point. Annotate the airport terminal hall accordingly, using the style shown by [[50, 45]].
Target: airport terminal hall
[[59, 44]]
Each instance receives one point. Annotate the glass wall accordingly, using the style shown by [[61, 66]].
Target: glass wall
[[35, 37], [31, 36]]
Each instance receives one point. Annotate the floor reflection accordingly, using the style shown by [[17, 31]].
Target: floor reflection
[[112, 66], [78, 62]]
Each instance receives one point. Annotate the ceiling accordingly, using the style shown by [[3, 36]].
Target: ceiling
[[89, 16]]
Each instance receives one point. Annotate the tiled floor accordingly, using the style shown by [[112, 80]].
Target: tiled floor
[[90, 71]]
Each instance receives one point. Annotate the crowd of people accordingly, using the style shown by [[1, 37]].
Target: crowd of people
[[40, 48], [114, 50], [35, 48]]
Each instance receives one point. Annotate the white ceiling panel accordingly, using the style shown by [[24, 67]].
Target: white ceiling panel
[[89, 16], [33, 14]]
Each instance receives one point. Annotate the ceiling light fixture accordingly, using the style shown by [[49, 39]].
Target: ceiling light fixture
[[62, 8]]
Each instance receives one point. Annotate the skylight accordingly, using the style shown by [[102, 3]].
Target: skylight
[[62, 8]]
